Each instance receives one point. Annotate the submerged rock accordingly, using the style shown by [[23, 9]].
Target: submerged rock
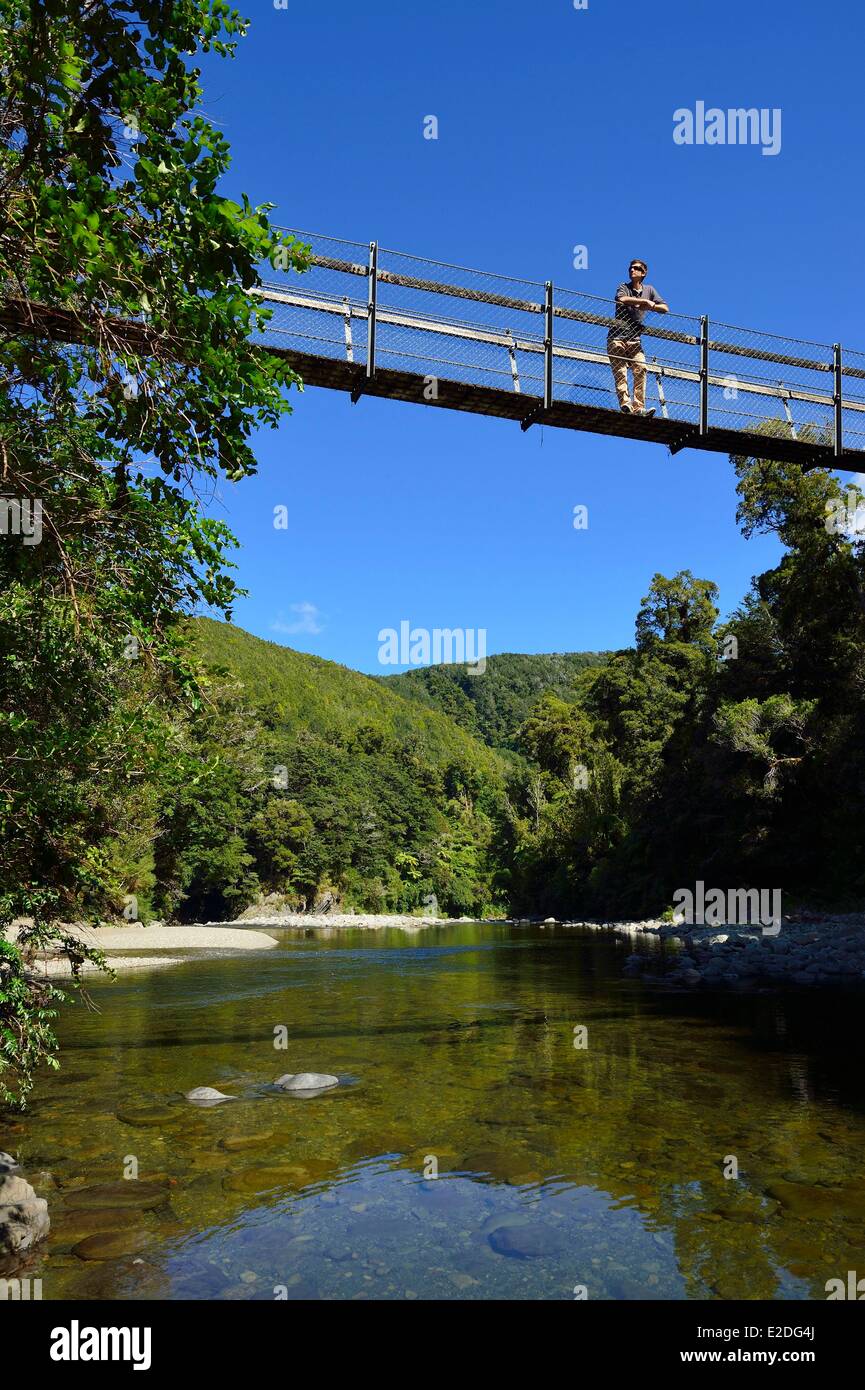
[[306, 1081], [252, 1181], [206, 1095], [129, 1192], [238, 1143], [528, 1242], [147, 1116], [73, 1226], [817, 1203], [111, 1245]]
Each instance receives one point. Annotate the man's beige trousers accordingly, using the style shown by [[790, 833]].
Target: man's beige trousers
[[625, 354]]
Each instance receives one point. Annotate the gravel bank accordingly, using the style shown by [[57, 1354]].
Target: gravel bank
[[337, 920], [210, 937], [813, 950], [147, 939], [58, 967]]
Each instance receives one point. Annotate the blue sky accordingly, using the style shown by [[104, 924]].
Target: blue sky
[[555, 129]]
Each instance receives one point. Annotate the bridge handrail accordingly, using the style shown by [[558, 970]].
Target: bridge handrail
[[389, 277]]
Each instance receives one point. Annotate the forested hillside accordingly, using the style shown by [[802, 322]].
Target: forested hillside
[[293, 690], [347, 789], [494, 705]]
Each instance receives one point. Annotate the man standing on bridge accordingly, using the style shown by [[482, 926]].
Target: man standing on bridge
[[624, 341]]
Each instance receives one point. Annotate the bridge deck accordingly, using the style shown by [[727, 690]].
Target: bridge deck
[[508, 405], [381, 323]]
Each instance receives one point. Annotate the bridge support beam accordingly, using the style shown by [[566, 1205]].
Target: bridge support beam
[[838, 400], [535, 416], [371, 303], [704, 375], [537, 413], [548, 345]]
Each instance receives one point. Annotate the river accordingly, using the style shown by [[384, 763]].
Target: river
[[581, 1125]]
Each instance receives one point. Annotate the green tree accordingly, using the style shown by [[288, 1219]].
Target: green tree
[[128, 383], [681, 609]]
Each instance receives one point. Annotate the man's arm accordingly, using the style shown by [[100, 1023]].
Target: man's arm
[[642, 301]]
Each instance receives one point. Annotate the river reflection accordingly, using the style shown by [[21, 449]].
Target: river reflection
[[560, 1167]]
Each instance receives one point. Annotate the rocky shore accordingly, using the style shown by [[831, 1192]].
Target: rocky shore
[[809, 950]]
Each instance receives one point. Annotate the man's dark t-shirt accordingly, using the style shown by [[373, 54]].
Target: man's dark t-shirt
[[629, 320]]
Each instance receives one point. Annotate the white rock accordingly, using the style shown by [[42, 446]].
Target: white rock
[[306, 1081], [206, 1095], [23, 1216]]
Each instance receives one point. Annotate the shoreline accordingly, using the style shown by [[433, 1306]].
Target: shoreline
[[809, 949], [192, 940]]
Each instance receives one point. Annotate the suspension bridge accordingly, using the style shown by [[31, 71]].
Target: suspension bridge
[[369, 321], [374, 322]]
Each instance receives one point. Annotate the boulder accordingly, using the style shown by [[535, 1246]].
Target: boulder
[[206, 1095], [23, 1216], [306, 1081]]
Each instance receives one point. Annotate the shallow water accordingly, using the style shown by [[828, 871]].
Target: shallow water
[[558, 1166]]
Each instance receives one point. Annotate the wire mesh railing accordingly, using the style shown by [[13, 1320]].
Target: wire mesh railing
[[376, 308]]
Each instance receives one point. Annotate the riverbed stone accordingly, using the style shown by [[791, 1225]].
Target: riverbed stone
[[24, 1217], [75, 1225], [531, 1241], [127, 1193], [239, 1143], [147, 1116], [254, 1180], [207, 1095], [111, 1245], [306, 1081], [819, 1203]]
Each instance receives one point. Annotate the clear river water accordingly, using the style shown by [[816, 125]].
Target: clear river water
[[563, 1169]]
